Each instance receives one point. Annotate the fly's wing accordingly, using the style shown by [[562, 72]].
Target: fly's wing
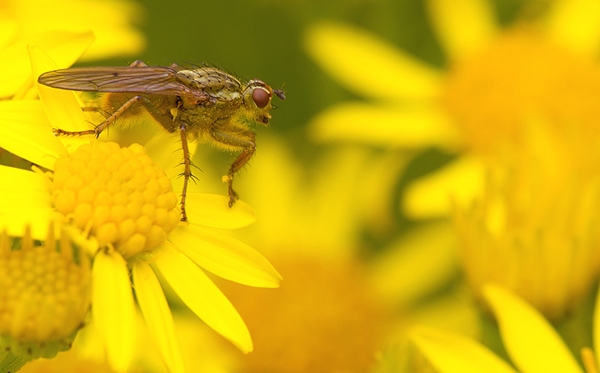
[[141, 80]]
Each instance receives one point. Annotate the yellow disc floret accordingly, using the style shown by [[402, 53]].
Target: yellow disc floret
[[116, 195], [45, 295], [494, 95]]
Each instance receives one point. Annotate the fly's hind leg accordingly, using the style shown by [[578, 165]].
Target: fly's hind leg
[[110, 120], [243, 139]]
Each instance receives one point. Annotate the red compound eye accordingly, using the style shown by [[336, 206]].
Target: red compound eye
[[261, 97]]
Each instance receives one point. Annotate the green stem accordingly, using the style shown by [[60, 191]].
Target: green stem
[[10, 363]]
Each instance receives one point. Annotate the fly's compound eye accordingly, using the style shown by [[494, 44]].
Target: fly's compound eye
[[261, 97]]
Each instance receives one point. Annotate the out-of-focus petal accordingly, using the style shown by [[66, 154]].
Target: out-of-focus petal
[[62, 46], [113, 307], [25, 201], [187, 280], [399, 276], [26, 132], [528, 337], [212, 210], [451, 353], [433, 195], [225, 256], [575, 24], [408, 127], [462, 26], [369, 66], [110, 20], [157, 314]]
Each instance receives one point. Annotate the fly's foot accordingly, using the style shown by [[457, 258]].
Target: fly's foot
[[233, 196], [59, 132]]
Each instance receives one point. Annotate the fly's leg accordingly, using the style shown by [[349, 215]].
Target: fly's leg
[[187, 169], [243, 139], [102, 126], [138, 63]]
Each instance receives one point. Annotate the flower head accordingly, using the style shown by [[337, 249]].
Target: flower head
[[116, 195], [517, 107], [46, 294]]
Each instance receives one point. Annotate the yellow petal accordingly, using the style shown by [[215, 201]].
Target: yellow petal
[[212, 210], [26, 132], [409, 127], [9, 29], [25, 201], [113, 308], [110, 20], [451, 353], [433, 195], [157, 314], [368, 65], [398, 274], [64, 47], [62, 106], [462, 26], [201, 295], [575, 24], [225, 256], [531, 341]]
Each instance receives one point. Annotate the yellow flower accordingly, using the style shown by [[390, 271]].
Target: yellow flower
[[529, 339], [121, 208], [497, 81], [518, 108], [334, 310], [45, 296], [49, 24]]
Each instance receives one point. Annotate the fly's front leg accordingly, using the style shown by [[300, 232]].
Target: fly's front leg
[[241, 138]]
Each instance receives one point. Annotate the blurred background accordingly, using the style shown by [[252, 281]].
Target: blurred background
[[360, 265]]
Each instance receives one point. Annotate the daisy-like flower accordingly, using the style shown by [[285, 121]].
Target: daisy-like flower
[[46, 24], [530, 340], [121, 208], [518, 108], [45, 296], [335, 310]]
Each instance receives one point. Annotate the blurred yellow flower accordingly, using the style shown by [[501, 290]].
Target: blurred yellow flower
[[45, 296], [48, 24], [120, 207], [519, 108], [335, 310], [530, 340]]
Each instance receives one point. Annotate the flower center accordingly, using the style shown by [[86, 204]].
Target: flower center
[[534, 234], [45, 294], [494, 95], [335, 323], [116, 195]]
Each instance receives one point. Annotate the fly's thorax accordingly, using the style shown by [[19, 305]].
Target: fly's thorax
[[218, 84]]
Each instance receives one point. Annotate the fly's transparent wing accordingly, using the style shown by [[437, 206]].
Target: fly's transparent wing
[[141, 80]]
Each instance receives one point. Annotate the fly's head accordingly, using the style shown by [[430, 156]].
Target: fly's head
[[257, 100]]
